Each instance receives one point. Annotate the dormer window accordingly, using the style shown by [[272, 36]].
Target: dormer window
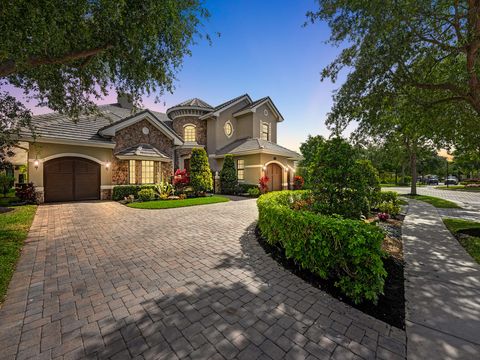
[[189, 133], [265, 132]]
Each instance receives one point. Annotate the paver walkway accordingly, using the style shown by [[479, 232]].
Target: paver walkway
[[100, 280], [442, 289]]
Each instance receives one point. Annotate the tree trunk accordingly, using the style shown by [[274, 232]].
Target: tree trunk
[[413, 166]]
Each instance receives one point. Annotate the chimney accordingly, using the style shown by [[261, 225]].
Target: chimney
[[125, 100]]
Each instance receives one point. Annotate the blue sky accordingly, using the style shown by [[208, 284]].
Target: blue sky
[[263, 50]]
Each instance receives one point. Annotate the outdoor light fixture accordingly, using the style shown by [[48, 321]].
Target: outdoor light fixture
[[107, 165], [264, 168], [36, 163]]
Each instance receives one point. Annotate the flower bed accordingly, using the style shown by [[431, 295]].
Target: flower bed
[[345, 250]]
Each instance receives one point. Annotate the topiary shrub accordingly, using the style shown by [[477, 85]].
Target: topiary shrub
[[347, 250], [200, 173], [228, 176], [146, 194]]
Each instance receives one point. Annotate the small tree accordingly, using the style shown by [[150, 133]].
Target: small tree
[[200, 173], [263, 184], [341, 183], [228, 175]]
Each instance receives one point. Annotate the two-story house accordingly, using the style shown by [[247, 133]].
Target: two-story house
[[84, 160]]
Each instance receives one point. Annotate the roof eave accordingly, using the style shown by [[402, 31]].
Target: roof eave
[[63, 141]]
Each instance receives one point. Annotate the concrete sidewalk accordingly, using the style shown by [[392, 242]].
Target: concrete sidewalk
[[442, 289]]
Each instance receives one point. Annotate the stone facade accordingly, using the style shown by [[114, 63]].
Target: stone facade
[[106, 194], [200, 127], [134, 135], [119, 172]]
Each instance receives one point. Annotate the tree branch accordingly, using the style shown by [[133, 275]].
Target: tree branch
[[9, 67]]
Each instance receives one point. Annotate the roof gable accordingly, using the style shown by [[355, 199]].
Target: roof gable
[[227, 104], [256, 104], [146, 114]]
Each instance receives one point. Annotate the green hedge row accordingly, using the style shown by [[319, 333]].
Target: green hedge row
[[329, 246], [122, 191]]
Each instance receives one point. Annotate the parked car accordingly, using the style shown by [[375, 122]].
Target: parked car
[[451, 180], [431, 180]]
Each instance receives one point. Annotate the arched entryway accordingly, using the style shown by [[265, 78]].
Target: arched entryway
[[274, 174], [71, 179]]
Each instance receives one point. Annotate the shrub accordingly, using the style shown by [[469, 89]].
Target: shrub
[[200, 173], [164, 189], [181, 180], [120, 192], [6, 182], [26, 192], [254, 192], [342, 184], [383, 216], [244, 188], [298, 182], [263, 184], [146, 194], [347, 250], [228, 176], [391, 196], [389, 207]]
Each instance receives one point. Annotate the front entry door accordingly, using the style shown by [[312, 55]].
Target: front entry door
[[274, 173]]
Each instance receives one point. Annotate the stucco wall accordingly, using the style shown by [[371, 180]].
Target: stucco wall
[[223, 117], [254, 166], [43, 151], [259, 116]]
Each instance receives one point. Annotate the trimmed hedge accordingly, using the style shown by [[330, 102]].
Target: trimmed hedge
[[346, 250], [121, 191]]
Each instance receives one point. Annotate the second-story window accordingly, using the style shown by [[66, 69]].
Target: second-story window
[[265, 131], [189, 133]]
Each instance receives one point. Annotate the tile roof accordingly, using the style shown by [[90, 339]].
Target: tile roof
[[247, 144], [142, 150], [55, 125], [195, 102], [231, 101]]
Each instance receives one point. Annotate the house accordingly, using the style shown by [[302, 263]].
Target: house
[[84, 160]]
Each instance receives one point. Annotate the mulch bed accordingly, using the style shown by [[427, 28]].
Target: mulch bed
[[5, 209], [390, 307]]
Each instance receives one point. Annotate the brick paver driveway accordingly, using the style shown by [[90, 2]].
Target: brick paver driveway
[[100, 280]]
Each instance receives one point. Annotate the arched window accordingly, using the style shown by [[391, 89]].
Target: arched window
[[189, 133]]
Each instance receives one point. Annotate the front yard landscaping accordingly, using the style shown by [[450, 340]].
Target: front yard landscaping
[[343, 235], [169, 204], [468, 235], [437, 202], [15, 222]]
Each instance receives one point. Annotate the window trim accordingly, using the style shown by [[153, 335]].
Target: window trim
[[240, 168], [267, 132], [132, 168], [144, 173], [190, 125]]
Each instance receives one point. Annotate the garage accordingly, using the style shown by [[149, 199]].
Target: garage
[[71, 179]]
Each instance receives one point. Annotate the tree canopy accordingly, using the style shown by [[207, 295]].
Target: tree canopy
[[67, 54], [429, 45]]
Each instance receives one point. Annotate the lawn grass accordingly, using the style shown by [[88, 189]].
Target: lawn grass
[[472, 243], [437, 202], [168, 204], [401, 186], [458, 188], [14, 226]]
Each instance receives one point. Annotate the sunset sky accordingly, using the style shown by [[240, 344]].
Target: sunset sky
[[263, 50]]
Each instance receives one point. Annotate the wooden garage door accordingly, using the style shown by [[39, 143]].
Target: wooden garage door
[[71, 179]]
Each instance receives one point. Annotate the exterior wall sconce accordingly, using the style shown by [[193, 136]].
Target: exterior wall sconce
[[36, 163], [264, 168], [107, 165]]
